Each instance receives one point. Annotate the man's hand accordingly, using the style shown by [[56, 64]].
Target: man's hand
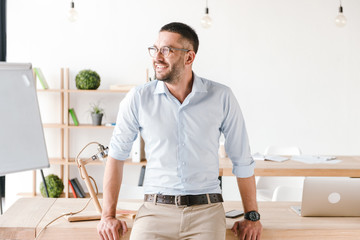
[[111, 228], [247, 230]]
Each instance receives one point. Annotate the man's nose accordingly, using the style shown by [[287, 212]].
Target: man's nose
[[158, 55]]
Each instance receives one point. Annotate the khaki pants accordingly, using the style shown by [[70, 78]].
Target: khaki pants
[[164, 221]]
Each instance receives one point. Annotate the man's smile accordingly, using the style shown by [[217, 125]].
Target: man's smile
[[160, 66]]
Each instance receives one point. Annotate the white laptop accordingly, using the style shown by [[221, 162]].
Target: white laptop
[[335, 196]]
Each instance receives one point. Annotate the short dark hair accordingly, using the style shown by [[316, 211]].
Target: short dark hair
[[185, 31]]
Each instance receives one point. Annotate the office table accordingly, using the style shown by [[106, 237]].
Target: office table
[[348, 167], [29, 215]]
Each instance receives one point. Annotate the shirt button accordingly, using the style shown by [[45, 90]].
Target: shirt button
[[183, 144], [183, 163]]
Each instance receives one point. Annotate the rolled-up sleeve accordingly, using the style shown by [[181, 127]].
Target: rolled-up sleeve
[[236, 138], [126, 129]]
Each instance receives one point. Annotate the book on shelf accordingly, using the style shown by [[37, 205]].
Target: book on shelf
[[78, 188], [72, 189], [39, 74], [142, 176], [73, 116]]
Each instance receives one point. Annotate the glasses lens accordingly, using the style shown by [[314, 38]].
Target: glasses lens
[[165, 51], [152, 51]]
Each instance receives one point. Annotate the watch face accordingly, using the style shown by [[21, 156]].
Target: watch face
[[253, 216]]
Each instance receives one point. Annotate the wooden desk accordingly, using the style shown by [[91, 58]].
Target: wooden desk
[[30, 215], [348, 167]]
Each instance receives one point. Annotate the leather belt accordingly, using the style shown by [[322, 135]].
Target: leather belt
[[184, 200]]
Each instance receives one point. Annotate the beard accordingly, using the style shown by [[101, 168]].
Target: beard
[[171, 76]]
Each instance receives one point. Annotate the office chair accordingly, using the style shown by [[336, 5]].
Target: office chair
[[266, 185], [287, 193]]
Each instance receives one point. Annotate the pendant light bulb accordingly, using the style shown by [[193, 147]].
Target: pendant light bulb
[[340, 19], [206, 19], [73, 14]]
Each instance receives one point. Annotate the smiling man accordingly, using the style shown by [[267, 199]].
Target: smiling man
[[180, 116]]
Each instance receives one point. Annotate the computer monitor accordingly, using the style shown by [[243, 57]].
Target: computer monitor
[[22, 143]]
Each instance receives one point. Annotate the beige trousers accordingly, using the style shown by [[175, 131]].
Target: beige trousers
[[164, 221]]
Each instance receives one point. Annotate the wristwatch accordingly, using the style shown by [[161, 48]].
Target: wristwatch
[[252, 216]]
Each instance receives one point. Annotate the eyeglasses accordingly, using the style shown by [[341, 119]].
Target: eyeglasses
[[165, 51]]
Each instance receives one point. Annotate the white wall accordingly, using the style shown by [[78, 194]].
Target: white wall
[[294, 73]]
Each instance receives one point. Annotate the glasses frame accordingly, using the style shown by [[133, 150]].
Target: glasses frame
[[161, 50]]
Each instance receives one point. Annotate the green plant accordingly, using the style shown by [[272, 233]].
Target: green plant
[[87, 79], [54, 185], [96, 109]]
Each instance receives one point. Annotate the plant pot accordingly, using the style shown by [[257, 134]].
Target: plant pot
[[96, 118]]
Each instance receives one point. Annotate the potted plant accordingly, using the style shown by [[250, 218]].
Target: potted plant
[[96, 114], [54, 186], [87, 80]]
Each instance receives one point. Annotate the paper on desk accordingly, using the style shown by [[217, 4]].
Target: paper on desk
[[258, 156], [312, 159], [275, 158]]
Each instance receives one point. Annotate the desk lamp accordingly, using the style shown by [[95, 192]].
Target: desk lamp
[[100, 155]]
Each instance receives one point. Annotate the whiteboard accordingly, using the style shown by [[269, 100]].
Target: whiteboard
[[22, 143]]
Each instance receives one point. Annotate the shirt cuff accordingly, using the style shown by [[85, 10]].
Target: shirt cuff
[[120, 157], [244, 171]]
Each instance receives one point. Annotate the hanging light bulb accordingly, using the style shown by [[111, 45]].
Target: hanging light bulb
[[206, 19], [73, 14], [340, 19]]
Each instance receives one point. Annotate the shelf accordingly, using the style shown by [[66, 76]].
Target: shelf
[[98, 91], [96, 162], [53, 125], [89, 126], [51, 90], [125, 89], [130, 162], [64, 160], [57, 161], [58, 125]]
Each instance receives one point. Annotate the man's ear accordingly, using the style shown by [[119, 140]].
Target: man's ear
[[190, 57]]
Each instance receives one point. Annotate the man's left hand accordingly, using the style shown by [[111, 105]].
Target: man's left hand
[[247, 230]]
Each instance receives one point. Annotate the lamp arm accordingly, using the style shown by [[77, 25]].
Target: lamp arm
[[77, 159], [92, 193], [84, 175]]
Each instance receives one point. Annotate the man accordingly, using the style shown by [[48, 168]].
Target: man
[[180, 117]]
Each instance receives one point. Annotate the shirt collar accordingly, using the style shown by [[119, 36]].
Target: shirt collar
[[198, 86], [160, 87]]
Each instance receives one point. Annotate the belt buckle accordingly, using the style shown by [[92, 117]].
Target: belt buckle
[[178, 201]]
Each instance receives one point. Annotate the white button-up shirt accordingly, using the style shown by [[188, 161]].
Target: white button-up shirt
[[182, 140]]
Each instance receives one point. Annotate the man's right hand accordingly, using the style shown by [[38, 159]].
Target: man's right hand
[[111, 228]]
